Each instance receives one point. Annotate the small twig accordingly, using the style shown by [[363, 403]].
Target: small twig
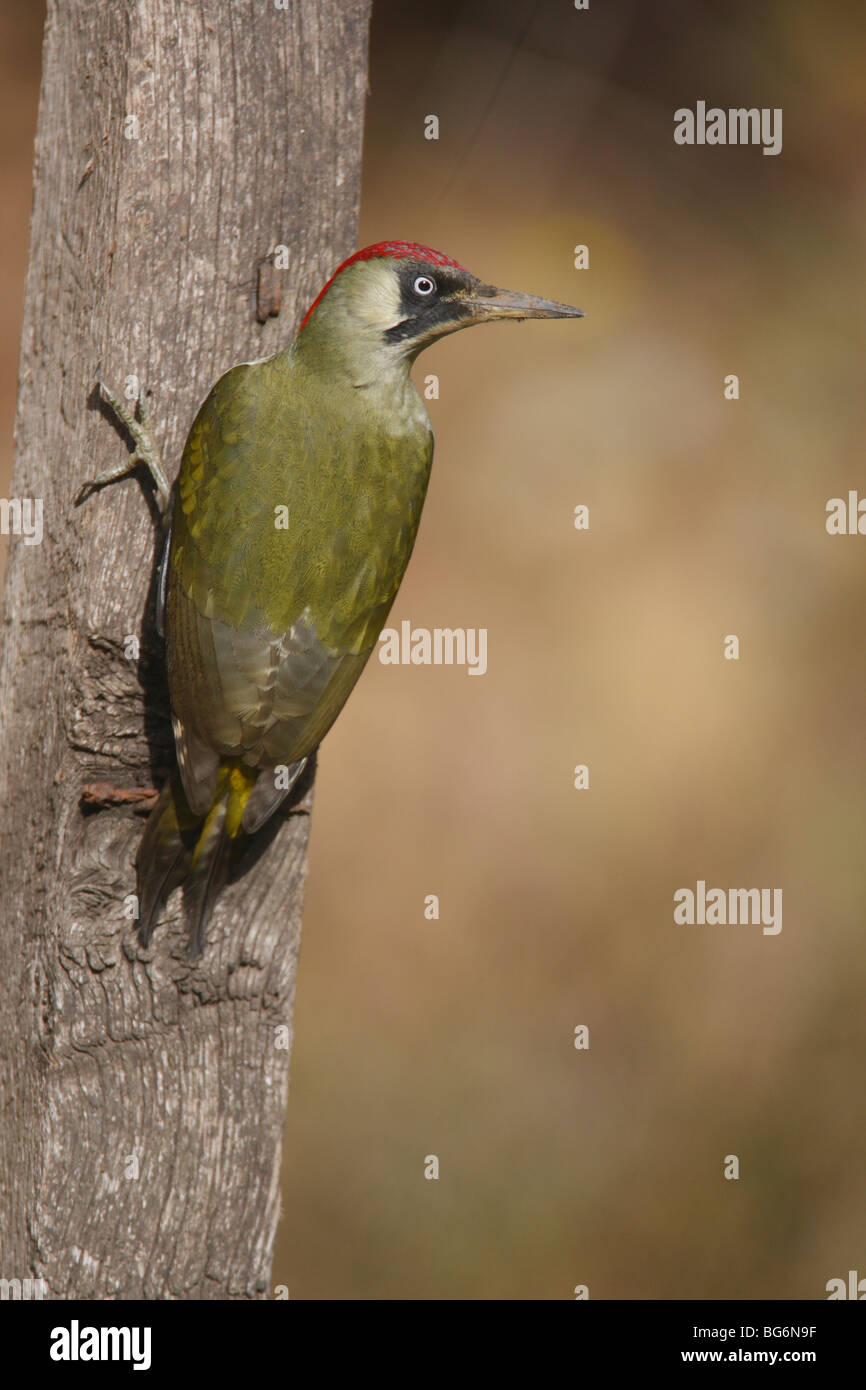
[[105, 795]]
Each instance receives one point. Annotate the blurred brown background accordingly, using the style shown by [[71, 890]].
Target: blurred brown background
[[454, 1037]]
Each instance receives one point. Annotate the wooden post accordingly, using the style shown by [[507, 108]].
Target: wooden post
[[142, 1098]]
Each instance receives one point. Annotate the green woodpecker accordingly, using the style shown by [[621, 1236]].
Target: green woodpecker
[[291, 525]]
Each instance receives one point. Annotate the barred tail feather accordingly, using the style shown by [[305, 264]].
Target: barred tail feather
[[180, 847], [208, 871], [161, 862]]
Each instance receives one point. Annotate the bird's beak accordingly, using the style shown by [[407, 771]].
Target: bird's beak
[[487, 302]]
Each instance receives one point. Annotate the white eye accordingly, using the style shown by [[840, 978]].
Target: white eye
[[424, 285]]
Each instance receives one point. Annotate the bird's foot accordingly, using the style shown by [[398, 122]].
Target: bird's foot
[[137, 425]]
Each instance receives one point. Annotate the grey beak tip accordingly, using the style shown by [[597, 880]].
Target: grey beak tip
[[564, 311]]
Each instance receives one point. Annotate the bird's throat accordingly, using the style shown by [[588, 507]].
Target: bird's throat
[[373, 371]]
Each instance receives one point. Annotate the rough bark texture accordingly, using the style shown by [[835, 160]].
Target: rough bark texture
[[143, 1098]]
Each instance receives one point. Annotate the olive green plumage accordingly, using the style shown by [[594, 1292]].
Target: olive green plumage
[[295, 516], [293, 519]]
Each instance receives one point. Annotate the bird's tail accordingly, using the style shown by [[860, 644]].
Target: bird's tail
[[180, 847]]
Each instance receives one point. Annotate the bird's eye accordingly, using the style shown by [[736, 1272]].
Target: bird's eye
[[424, 285]]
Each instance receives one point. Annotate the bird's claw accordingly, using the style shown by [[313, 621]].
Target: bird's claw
[[137, 425]]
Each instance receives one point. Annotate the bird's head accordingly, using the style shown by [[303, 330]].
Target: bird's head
[[386, 303]]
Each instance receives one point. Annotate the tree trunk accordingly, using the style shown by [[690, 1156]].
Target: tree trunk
[[143, 1097]]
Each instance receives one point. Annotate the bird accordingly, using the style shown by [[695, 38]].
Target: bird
[[288, 532]]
